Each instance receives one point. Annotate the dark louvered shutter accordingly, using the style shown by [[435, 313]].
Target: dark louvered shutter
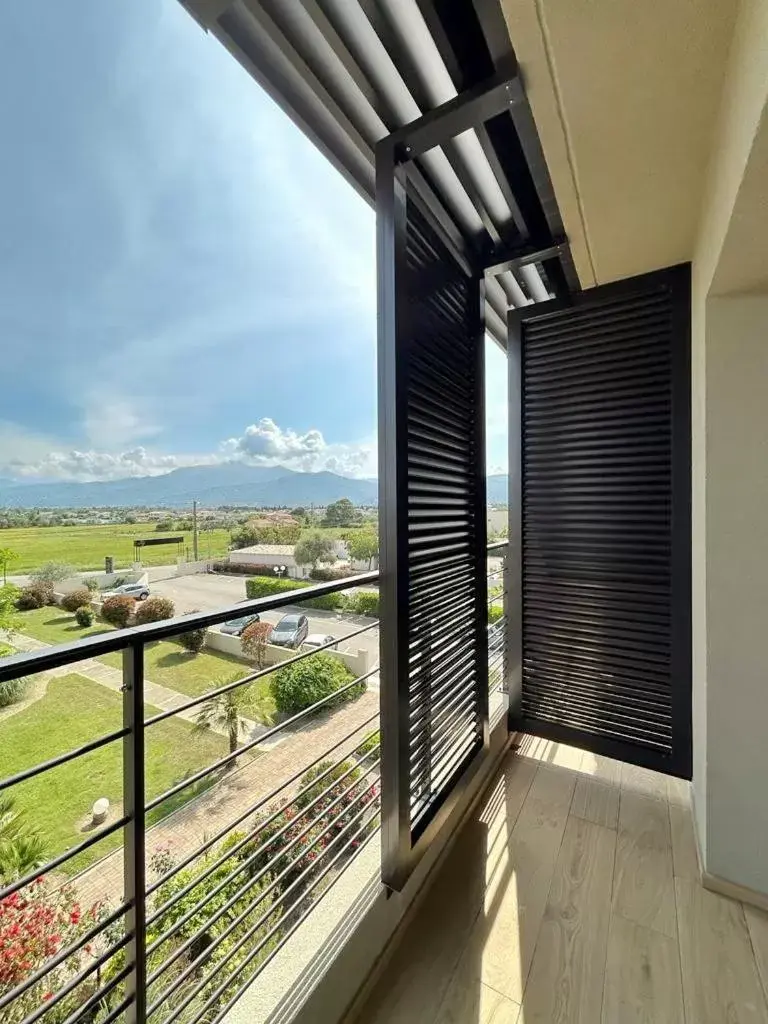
[[606, 520], [432, 506]]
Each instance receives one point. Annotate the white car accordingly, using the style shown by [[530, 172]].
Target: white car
[[315, 640], [138, 590]]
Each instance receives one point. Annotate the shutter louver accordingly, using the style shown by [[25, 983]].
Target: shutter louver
[[446, 652], [600, 393]]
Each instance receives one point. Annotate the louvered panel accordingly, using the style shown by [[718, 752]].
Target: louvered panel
[[603, 425], [444, 534]]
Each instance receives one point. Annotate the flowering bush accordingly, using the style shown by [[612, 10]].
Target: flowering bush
[[154, 609], [117, 610], [35, 925]]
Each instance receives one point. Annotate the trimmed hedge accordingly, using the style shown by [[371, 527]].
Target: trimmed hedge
[[363, 603], [325, 574], [234, 569], [263, 586], [13, 690]]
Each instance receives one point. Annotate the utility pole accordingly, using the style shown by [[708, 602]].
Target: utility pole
[[194, 531]]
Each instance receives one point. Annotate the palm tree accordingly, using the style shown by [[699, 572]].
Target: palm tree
[[222, 713], [22, 848]]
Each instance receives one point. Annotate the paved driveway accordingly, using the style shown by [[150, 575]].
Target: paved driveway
[[207, 592]]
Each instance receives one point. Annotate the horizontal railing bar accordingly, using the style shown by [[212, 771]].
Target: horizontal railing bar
[[190, 940], [61, 956], [259, 946], [78, 979], [63, 857], [30, 662], [253, 676], [79, 1014], [497, 545], [240, 943], [249, 837], [241, 817], [185, 783], [54, 762]]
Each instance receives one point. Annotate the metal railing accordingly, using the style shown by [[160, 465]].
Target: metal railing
[[188, 935], [497, 632]]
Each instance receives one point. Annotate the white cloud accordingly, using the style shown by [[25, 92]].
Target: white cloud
[[263, 443]]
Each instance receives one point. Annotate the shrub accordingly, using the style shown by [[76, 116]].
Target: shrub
[[92, 584], [495, 612], [254, 641], [347, 798], [76, 599], [154, 609], [117, 610], [36, 595], [303, 683], [13, 690], [262, 586], [53, 572], [194, 640], [370, 744], [294, 863], [84, 616], [327, 574], [364, 602]]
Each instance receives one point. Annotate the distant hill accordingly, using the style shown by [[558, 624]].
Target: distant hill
[[232, 483], [227, 484]]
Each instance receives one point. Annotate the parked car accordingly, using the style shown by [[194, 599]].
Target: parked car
[[291, 631], [236, 627], [320, 640], [138, 590]]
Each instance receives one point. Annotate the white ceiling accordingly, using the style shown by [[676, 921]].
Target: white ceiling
[[625, 94]]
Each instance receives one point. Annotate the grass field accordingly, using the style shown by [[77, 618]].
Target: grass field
[[73, 711], [166, 663], [85, 547]]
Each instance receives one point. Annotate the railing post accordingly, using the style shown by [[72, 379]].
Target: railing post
[[134, 852]]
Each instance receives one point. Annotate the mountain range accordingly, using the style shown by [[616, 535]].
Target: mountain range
[[232, 483]]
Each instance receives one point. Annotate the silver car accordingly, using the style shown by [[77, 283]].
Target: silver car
[[138, 590]]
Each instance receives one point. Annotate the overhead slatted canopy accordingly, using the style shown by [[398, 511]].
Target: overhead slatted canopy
[[350, 72]]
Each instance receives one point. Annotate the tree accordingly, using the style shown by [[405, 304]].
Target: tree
[[314, 548], [299, 512], [22, 847], [265, 531], [362, 545], [222, 713], [53, 572], [254, 641], [341, 513], [9, 596], [7, 555]]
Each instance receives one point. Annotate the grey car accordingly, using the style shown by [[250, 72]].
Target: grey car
[[291, 631], [236, 627], [138, 590]]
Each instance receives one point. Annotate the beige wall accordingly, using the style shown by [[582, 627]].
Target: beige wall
[[728, 369], [737, 589], [355, 659]]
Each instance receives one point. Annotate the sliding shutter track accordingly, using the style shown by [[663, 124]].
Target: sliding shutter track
[[447, 645], [597, 522]]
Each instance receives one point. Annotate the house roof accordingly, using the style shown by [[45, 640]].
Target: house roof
[[284, 550]]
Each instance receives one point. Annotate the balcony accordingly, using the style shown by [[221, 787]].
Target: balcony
[[573, 893]]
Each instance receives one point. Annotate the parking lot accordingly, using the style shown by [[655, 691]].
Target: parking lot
[[208, 592]]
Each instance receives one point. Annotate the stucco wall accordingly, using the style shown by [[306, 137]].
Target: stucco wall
[[724, 341], [357, 660]]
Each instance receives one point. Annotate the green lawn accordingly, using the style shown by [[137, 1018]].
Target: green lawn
[[166, 663], [85, 547], [74, 711]]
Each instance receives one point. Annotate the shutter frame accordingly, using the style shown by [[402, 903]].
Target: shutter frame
[[599, 455]]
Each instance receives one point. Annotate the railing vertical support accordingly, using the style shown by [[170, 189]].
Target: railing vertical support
[[134, 852]]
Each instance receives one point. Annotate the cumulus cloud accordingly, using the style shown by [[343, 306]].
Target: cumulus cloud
[[263, 443]]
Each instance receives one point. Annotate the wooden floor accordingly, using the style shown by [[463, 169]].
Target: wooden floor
[[572, 896]]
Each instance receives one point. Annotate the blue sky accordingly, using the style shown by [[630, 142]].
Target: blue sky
[[183, 276]]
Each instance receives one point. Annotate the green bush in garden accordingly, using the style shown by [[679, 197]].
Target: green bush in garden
[[76, 599], [303, 683], [84, 616], [263, 586], [364, 602]]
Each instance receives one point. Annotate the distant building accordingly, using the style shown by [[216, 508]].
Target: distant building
[[270, 555]]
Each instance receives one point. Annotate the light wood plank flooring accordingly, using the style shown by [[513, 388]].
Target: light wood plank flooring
[[572, 897]]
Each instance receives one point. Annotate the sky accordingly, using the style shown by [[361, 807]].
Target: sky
[[184, 278]]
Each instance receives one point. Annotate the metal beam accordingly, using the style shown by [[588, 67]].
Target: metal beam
[[525, 256], [458, 115]]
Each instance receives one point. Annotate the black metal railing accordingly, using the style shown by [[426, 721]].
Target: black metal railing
[[187, 935], [497, 643]]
